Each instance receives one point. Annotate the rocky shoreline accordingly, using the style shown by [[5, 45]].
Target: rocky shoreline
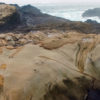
[[28, 18], [55, 60]]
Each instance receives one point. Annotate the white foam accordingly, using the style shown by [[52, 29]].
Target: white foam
[[71, 13]]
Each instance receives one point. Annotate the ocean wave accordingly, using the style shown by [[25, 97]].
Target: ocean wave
[[71, 13]]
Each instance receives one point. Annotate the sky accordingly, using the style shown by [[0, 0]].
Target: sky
[[47, 1]]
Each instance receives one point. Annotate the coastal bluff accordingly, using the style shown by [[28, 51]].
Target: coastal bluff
[[92, 13]]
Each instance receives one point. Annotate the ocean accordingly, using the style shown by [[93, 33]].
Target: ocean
[[72, 12]]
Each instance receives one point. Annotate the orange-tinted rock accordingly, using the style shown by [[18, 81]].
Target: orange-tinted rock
[[1, 80], [71, 66], [3, 66], [1, 50], [10, 47], [22, 41], [1, 83]]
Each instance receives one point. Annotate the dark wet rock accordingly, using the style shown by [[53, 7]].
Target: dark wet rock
[[93, 94], [31, 15], [29, 18], [9, 17], [15, 5], [2, 3], [67, 26], [30, 10], [91, 21], [92, 13]]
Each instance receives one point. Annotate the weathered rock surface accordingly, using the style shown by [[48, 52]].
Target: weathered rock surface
[[50, 61], [62, 66], [9, 16], [31, 16]]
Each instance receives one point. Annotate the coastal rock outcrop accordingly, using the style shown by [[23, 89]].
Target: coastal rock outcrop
[[60, 66], [92, 13], [29, 18], [46, 57], [33, 16], [9, 16]]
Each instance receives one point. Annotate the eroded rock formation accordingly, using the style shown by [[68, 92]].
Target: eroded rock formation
[[92, 13], [9, 17], [49, 66], [56, 60]]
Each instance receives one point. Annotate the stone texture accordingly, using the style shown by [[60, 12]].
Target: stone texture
[[63, 71], [8, 16]]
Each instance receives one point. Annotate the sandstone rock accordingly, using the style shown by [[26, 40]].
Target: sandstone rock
[[8, 38], [35, 73], [1, 83], [59, 40], [1, 50], [15, 38], [37, 37], [5, 11], [22, 41], [3, 66], [10, 47], [2, 36], [19, 36], [3, 42], [12, 43]]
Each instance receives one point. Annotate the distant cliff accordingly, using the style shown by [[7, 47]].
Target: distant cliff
[[24, 16], [29, 18], [9, 16], [92, 13]]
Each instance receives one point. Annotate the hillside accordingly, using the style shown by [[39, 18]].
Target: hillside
[[92, 13], [29, 18]]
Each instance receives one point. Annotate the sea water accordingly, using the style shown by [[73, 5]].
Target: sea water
[[72, 12]]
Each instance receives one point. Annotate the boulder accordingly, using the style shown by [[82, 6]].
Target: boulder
[[8, 38], [2, 36], [12, 43], [22, 41], [69, 71], [9, 17], [91, 21], [3, 42], [10, 47], [30, 10]]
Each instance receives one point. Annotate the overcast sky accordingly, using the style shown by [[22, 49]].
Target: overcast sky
[[46, 1]]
